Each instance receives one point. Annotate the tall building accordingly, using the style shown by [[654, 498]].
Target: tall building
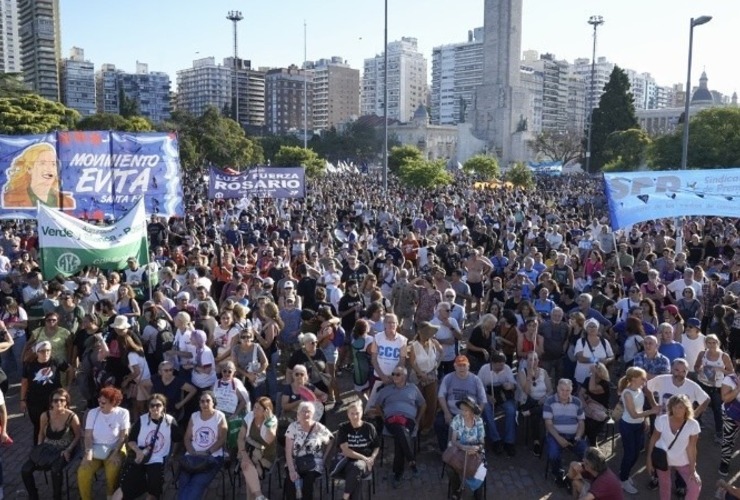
[[205, 84], [336, 92], [10, 44], [457, 70], [251, 85], [77, 82], [500, 114], [407, 81], [40, 46], [577, 107], [555, 83], [532, 83], [602, 71], [149, 90], [285, 103]]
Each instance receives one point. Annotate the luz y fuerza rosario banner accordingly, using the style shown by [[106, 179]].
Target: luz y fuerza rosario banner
[[259, 182], [67, 244]]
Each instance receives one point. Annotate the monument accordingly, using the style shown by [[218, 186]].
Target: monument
[[499, 104]]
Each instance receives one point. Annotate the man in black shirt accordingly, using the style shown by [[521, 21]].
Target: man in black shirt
[[350, 306], [354, 269]]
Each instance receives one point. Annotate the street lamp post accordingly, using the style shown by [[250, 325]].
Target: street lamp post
[[235, 16], [685, 142], [385, 101], [594, 21]]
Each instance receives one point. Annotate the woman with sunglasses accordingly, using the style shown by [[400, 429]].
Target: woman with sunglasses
[[314, 359], [150, 442], [250, 362], [233, 398], [179, 393], [257, 445], [41, 377], [204, 437], [106, 431], [300, 389], [60, 433]]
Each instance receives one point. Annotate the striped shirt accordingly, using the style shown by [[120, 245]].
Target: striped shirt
[[565, 417]]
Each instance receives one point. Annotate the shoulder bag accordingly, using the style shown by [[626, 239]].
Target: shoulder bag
[[305, 463], [659, 456], [466, 465], [100, 451]]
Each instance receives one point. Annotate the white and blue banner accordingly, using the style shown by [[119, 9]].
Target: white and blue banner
[[640, 196], [259, 182], [551, 168]]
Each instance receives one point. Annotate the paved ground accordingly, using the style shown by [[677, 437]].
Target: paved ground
[[521, 477]]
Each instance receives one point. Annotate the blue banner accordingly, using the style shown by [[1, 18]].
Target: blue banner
[[640, 196], [259, 182], [90, 175]]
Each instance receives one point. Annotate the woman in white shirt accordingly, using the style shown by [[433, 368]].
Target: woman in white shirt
[[677, 433], [632, 423], [203, 375], [591, 350]]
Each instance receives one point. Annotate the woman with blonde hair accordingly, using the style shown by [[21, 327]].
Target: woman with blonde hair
[[482, 341], [33, 176], [676, 434], [126, 304], [267, 339]]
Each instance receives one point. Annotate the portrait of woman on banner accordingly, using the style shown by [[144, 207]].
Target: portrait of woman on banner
[[33, 177]]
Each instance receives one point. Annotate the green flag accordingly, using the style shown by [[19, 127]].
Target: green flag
[[67, 244]]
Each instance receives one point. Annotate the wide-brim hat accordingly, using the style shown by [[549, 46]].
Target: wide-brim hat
[[120, 323], [470, 402]]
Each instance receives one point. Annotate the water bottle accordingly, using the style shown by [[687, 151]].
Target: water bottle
[[298, 487]]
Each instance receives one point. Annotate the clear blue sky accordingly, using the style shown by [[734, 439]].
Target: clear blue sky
[[644, 35]]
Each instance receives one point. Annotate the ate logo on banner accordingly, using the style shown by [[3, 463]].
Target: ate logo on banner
[[68, 263]]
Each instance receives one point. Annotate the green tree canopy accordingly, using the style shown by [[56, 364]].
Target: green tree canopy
[[714, 142], [520, 176], [271, 144], [626, 150], [616, 112], [32, 114], [294, 156], [485, 166], [110, 121], [417, 172], [11, 85], [399, 155]]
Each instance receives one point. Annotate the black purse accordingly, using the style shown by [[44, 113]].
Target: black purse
[[44, 455], [659, 456], [305, 463]]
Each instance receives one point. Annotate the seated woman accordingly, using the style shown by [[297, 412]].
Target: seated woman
[[535, 386], [178, 393], [306, 443], [150, 441], [232, 396], [469, 435], [295, 392], [359, 443], [258, 445], [59, 435], [106, 430], [204, 437]]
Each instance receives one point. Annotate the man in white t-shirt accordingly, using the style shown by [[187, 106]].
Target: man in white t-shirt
[[692, 341], [663, 387], [387, 352], [448, 334]]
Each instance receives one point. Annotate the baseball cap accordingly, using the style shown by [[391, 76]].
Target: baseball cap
[[268, 282], [695, 322]]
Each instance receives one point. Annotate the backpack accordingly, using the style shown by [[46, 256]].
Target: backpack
[[165, 340], [339, 337], [361, 366], [603, 344]]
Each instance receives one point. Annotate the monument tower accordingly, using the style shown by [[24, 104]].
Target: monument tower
[[500, 101]]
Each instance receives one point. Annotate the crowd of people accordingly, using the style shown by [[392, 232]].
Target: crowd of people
[[457, 314]]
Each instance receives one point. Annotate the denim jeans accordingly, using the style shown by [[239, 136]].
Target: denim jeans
[[492, 433], [272, 381], [554, 450], [633, 437], [194, 486]]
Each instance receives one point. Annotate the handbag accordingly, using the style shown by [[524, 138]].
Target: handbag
[[595, 411], [618, 411], [44, 455], [195, 464], [659, 456], [324, 377], [455, 458], [305, 463], [101, 451]]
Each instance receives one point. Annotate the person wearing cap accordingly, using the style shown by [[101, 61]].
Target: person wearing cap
[[41, 377], [287, 291], [564, 426], [468, 434], [500, 384], [401, 405], [454, 387]]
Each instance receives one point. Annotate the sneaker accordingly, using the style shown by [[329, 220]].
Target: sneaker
[[537, 449], [498, 448], [629, 488], [510, 449], [724, 469], [653, 485], [632, 482]]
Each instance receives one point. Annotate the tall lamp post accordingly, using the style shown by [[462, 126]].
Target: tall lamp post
[[685, 142], [594, 21], [235, 16], [385, 101]]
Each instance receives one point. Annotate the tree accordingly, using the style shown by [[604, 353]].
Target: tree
[[421, 173], [520, 175], [11, 85], [400, 155], [485, 166], [714, 142], [294, 156], [32, 114], [127, 106], [271, 144], [111, 121], [616, 112], [626, 150], [563, 146]]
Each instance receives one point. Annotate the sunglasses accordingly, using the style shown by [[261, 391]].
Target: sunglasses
[[246, 337]]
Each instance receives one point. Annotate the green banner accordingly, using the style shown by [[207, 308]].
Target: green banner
[[68, 244]]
